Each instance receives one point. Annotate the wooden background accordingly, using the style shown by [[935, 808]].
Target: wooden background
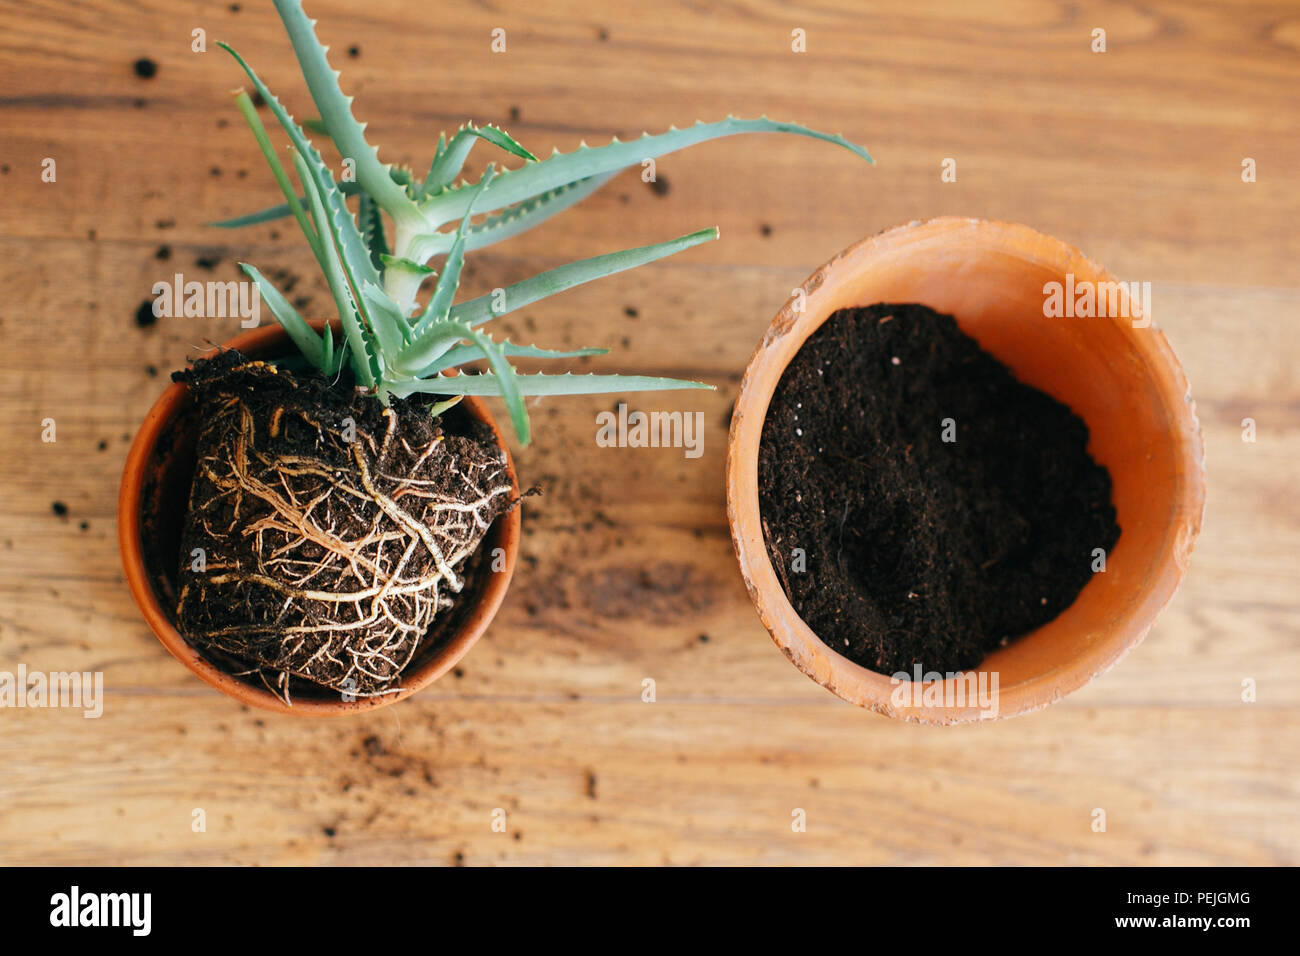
[[1133, 155]]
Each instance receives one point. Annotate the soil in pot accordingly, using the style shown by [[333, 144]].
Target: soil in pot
[[325, 531], [921, 506]]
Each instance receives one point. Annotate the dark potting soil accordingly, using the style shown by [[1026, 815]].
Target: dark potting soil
[[896, 547], [329, 530]]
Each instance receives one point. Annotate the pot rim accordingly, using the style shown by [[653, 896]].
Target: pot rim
[[129, 545], [845, 678]]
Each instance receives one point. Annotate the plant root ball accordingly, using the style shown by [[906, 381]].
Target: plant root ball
[[325, 532]]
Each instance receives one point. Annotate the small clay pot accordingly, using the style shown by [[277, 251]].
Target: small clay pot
[[1124, 382], [151, 509]]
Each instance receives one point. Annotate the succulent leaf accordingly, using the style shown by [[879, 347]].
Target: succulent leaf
[[559, 169], [450, 158], [406, 265], [272, 213], [329, 366], [402, 279], [477, 311], [522, 216], [336, 112], [372, 231], [461, 354], [449, 280], [360, 338], [595, 383], [502, 225], [509, 382], [386, 318], [303, 335], [352, 245], [427, 346]]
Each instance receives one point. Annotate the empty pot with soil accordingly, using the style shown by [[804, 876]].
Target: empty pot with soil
[[949, 500]]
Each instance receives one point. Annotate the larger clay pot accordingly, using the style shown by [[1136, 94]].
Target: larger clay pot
[[151, 509], [1125, 383]]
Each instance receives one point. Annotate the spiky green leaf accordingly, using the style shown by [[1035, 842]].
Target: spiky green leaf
[[595, 383], [427, 346], [485, 307], [508, 380], [302, 334], [372, 231], [249, 112], [353, 249], [450, 158], [449, 279], [559, 169], [386, 319], [360, 339], [515, 219], [461, 354], [336, 113], [402, 280]]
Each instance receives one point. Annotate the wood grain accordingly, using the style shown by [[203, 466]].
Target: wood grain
[[1133, 155]]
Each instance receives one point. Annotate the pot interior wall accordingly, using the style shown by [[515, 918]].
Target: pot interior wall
[[1105, 370]]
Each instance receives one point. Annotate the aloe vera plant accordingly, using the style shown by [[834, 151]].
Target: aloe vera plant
[[393, 345], [339, 513]]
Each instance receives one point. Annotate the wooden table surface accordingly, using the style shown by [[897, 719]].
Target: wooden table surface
[[1134, 155]]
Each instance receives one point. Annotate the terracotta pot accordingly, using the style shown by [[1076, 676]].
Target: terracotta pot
[[151, 508], [1125, 383]]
